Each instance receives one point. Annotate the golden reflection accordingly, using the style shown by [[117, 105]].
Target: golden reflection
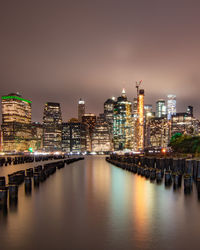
[[142, 204], [99, 178]]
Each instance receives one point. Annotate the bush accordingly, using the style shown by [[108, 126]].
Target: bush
[[185, 143]]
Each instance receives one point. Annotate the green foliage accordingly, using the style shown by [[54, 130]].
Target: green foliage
[[175, 136], [185, 144]]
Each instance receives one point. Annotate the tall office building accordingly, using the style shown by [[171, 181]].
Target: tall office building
[[90, 120], [135, 107], [171, 106], [190, 111], [73, 136], [16, 121], [81, 109], [15, 109], [36, 142], [148, 110], [134, 122], [158, 132], [184, 123], [148, 115], [109, 109], [52, 125], [123, 126], [140, 120], [161, 109], [101, 139]]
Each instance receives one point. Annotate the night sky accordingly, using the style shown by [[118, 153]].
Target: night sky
[[60, 51]]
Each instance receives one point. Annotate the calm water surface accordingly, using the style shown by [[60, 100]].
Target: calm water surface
[[92, 204]]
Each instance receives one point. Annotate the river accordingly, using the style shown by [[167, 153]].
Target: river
[[92, 204]]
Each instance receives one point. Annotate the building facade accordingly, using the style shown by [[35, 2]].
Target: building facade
[[109, 111], [81, 109], [101, 138], [123, 125], [140, 121], [185, 124], [52, 125], [89, 120], [158, 132], [73, 137], [161, 109], [16, 123], [171, 106]]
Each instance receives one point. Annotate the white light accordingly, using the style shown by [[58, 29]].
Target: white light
[[81, 102], [57, 153]]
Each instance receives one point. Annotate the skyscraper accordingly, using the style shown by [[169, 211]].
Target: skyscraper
[[52, 124], [90, 121], [16, 122], [135, 107], [190, 110], [158, 132], [140, 120], [81, 109], [148, 115], [161, 110], [16, 109], [73, 136], [108, 110], [184, 123], [171, 106], [122, 126], [148, 110], [101, 139]]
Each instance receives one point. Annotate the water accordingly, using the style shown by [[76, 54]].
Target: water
[[92, 204]]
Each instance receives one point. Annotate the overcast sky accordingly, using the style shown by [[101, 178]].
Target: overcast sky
[[61, 51]]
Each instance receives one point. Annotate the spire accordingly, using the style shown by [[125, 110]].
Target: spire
[[123, 92], [81, 101]]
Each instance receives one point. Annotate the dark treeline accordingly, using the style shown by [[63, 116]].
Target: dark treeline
[[185, 144]]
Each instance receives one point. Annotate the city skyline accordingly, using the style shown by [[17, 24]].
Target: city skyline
[[93, 50], [100, 124], [88, 109]]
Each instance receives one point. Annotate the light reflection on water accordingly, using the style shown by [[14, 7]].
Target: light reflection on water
[[94, 205]]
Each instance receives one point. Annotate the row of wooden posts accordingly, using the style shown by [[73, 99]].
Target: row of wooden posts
[[173, 170], [14, 160], [37, 174]]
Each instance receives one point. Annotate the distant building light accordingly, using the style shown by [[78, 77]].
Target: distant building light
[[81, 102]]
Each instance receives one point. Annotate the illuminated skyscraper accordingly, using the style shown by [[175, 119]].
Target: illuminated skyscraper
[[73, 136], [109, 110], [158, 132], [161, 110], [140, 120], [16, 109], [148, 110], [101, 139], [135, 107], [81, 109], [190, 111], [36, 142], [171, 106], [123, 126], [148, 115], [90, 121], [52, 124], [16, 121], [184, 123]]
